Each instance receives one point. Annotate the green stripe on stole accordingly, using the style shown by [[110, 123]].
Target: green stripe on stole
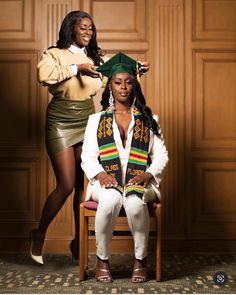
[[108, 151], [138, 156]]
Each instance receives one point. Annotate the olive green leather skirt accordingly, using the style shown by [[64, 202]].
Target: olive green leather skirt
[[66, 121]]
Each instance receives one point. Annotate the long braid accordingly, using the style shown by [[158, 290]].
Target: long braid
[[140, 103]]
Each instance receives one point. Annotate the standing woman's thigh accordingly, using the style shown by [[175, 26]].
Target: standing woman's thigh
[[63, 164], [79, 177]]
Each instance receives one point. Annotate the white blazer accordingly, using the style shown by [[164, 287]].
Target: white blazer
[[90, 153]]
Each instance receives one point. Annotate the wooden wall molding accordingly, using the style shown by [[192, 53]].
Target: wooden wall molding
[[214, 89], [214, 20], [213, 213], [168, 102], [53, 14], [210, 122], [20, 101], [17, 20], [19, 176], [118, 20]]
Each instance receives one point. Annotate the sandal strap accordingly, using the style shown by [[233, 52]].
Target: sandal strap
[[139, 277], [140, 269], [101, 277], [103, 269]]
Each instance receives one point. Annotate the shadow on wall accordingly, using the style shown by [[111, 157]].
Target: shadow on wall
[[20, 148]]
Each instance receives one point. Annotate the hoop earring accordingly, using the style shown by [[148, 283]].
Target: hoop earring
[[111, 101]]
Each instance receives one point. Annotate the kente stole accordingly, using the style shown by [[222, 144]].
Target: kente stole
[[109, 157]]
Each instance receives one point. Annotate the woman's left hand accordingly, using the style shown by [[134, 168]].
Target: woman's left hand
[[142, 179], [144, 67]]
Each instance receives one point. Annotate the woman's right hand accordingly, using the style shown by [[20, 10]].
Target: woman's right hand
[[106, 180], [88, 69]]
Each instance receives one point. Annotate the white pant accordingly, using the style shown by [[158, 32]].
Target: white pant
[[110, 202]]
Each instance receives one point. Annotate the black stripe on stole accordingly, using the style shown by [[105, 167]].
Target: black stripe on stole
[[109, 156]]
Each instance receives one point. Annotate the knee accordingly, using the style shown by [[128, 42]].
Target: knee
[[65, 188], [135, 206], [110, 204], [109, 207]]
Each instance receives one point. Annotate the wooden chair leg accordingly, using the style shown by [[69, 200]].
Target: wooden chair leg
[[82, 244], [158, 244], [86, 243]]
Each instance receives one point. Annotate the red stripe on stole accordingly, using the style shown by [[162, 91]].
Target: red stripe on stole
[[138, 156], [113, 150]]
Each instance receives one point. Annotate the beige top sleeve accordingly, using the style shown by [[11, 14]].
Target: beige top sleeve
[[54, 71], [51, 71]]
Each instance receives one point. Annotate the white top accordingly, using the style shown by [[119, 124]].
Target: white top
[[90, 153], [74, 49]]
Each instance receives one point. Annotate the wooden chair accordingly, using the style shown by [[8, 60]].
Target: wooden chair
[[88, 211]]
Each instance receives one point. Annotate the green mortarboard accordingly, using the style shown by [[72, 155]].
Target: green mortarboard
[[119, 63]]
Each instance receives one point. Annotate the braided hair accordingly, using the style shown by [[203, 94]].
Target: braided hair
[[139, 101]]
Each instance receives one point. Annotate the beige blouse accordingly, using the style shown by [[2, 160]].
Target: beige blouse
[[54, 71]]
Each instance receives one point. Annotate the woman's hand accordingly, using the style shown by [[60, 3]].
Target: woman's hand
[[106, 180], [144, 67], [88, 69], [142, 179]]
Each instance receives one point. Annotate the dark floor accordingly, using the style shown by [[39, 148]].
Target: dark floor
[[181, 273]]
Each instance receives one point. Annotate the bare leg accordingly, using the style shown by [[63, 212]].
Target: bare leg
[[63, 164], [79, 187]]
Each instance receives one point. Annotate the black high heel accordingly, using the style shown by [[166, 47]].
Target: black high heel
[[36, 258], [74, 249]]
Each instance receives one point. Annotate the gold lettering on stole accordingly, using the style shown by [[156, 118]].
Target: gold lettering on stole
[[131, 171], [110, 168]]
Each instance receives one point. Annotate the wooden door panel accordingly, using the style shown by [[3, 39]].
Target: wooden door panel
[[211, 121]]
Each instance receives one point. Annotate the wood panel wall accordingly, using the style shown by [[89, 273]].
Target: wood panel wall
[[210, 122], [191, 48]]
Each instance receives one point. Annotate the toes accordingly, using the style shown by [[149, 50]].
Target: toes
[[138, 279], [104, 279]]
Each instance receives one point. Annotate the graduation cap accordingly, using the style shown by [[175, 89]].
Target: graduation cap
[[119, 63]]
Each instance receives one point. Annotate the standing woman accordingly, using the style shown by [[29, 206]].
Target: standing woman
[[69, 72]]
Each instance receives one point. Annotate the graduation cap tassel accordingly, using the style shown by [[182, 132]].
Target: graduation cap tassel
[[137, 71]]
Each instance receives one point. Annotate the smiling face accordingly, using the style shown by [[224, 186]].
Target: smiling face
[[122, 87], [83, 32]]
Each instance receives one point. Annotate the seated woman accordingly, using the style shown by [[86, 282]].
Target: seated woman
[[124, 157]]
